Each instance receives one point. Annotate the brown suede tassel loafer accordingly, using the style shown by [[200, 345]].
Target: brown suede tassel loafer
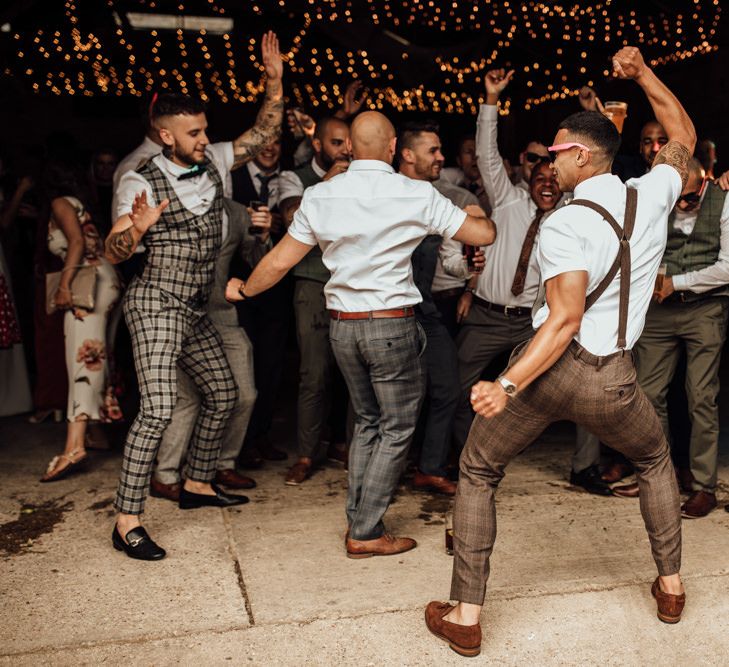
[[669, 606], [463, 639]]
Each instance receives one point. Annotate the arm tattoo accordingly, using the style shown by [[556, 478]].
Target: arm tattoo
[[120, 246], [677, 156], [266, 130]]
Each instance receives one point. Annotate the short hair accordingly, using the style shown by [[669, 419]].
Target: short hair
[[174, 104], [409, 132], [695, 168], [595, 127], [470, 136], [323, 123]]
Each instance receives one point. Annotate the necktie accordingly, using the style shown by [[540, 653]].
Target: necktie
[[473, 187], [517, 287], [192, 172], [264, 193]]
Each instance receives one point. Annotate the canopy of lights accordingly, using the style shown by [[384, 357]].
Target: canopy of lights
[[427, 55]]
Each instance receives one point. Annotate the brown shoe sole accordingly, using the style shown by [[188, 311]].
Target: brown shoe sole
[[665, 617], [461, 650], [369, 554]]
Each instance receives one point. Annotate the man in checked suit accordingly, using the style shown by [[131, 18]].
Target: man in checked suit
[[175, 203]]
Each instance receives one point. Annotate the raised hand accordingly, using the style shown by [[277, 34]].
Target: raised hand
[[271, 56], [496, 80], [589, 100], [628, 63], [723, 181], [352, 103], [300, 123], [143, 216]]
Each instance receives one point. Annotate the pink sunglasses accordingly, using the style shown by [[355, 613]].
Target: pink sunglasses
[[557, 148]]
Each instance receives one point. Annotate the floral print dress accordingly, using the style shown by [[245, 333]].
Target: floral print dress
[[90, 396]]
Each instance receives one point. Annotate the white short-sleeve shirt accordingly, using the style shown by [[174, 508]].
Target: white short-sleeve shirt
[[576, 238], [368, 221]]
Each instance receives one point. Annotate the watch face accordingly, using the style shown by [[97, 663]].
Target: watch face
[[509, 387]]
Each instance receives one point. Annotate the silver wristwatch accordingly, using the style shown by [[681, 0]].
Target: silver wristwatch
[[508, 385]]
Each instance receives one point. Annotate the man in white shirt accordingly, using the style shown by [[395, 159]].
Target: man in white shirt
[[599, 260], [370, 295], [689, 312], [175, 202]]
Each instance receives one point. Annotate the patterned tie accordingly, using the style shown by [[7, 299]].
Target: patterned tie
[[264, 193], [517, 287]]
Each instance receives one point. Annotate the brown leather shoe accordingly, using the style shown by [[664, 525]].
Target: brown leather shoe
[[298, 473], [423, 482], [699, 504], [617, 471], [669, 606], [168, 491], [463, 639], [627, 490], [387, 545], [234, 480]]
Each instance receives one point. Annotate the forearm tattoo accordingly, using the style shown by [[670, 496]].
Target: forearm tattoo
[[120, 245], [676, 155], [267, 128]]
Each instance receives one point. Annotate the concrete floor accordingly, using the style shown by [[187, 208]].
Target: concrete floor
[[269, 584]]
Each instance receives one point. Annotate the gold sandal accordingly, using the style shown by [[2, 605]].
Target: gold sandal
[[73, 464]]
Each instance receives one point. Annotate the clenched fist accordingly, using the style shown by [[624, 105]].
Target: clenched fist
[[628, 63]]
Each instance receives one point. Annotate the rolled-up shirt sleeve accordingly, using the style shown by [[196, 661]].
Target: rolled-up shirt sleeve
[[130, 185], [444, 217], [559, 251], [300, 228]]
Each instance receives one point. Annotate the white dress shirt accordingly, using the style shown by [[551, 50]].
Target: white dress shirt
[[513, 213], [196, 194], [290, 184], [576, 238], [273, 184], [712, 276], [136, 158], [368, 221]]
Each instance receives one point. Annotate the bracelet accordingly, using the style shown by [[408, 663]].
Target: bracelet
[[469, 290], [65, 289], [240, 291]]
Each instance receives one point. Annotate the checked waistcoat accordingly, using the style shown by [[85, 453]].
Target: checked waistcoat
[[181, 246]]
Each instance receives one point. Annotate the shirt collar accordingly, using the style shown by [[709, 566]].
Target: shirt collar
[[594, 185], [321, 173], [371, 165], [171, 168], [254, 170]]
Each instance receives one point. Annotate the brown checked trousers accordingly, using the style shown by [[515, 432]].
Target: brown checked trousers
[[599, 393]]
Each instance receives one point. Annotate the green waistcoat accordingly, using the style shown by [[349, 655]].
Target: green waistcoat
[[701, 247], [312, 266]]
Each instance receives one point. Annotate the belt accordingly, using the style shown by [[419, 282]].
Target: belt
[[582, 354], [509, 311], [447, 293], [686, 296], [373, 314]]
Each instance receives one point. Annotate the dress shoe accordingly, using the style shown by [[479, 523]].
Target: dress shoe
[[590, 480], [616, 471], [168, 491], [463, 639], [699, 504], [387, 545], [627, 490], [423, 482], [191, 501], [234, 480], [685, 479], [298, 473], [138, 545], [669, 606]]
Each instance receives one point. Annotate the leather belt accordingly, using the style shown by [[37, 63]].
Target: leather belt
[[509, 311], [447, 293], [393, 313]]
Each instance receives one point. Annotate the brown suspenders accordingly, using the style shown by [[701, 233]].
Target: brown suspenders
[[622, 261]]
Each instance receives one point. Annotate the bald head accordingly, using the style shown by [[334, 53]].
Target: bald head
[[373, 137]]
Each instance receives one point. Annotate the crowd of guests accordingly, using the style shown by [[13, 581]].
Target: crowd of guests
[[477, 303]]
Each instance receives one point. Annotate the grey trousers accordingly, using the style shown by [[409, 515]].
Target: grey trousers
[[603, 395], [484, 335], [700, 327], [239, 352], [380, 360], [316, 369]]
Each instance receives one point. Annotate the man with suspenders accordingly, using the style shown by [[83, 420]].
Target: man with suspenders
[[599, 276]]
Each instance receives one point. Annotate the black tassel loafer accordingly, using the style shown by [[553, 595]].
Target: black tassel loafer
[[191, 501], [138, 545]]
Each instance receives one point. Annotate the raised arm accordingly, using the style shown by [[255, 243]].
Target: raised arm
[[496, 182], [268, 123], [628, 63], [128, 231]]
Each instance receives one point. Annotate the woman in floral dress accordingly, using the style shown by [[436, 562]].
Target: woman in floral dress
[[72, 237]]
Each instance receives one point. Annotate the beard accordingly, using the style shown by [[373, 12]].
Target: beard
[[186, 158]]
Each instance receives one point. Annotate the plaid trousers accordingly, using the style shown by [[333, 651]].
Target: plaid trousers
[[380, 360], [166, 333], [599, 393]]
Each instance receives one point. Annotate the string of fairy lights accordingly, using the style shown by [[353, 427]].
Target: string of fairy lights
[[555, 48]]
